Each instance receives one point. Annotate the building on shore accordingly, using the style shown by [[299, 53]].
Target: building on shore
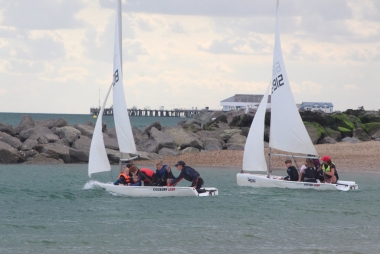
[[327, 107], [242, 101]]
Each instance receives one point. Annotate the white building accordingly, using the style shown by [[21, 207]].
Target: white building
[[242, 101], [327, 107]]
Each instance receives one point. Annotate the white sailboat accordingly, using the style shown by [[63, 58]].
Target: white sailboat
[[98, 160], [287, 133]]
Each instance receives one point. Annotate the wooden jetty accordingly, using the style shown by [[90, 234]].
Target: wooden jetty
[[183, 113]]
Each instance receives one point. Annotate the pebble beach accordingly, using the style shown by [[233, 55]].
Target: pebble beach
[[358, 157]]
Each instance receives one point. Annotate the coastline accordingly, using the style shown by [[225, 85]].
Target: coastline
[[358, 157]]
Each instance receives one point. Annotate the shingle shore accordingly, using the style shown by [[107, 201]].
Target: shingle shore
[[360, 157]]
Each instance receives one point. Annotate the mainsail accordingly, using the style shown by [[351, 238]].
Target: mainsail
[[287, 131], [98, 160], [122, 123], [254, 157]]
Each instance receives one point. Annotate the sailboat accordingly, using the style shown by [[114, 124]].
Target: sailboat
[[287, 133], [98, 160]]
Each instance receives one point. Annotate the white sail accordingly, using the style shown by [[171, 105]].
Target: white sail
[[122, 123], [287, 131], [98, 160], [254, 157]]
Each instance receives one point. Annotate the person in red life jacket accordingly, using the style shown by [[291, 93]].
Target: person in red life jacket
[[189, 174], [124, 177], [330, 173], [142, 175], [163, 173]]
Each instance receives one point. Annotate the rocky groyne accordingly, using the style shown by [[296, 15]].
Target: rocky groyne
[[55, 141]]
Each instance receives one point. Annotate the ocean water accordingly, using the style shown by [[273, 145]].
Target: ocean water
[[54, 209], [140, 122]]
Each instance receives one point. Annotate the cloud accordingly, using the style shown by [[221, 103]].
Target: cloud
[[231, 45], [41, 14], [351, 87]]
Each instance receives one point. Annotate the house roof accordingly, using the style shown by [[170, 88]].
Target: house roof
[[305, 104], [248, 98]]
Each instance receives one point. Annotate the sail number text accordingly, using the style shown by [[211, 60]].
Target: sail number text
[[115, 77], [279, 80]]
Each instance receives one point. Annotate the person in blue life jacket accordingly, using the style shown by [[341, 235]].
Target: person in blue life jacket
[[292, 172], [163, 173], [189, 174]]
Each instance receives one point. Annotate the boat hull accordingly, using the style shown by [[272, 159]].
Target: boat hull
[[260, 180], [156, 191]]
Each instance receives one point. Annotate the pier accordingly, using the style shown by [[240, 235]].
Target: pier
[[183, 113]]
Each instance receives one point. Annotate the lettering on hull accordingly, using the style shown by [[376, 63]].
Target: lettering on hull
[[163, 189]]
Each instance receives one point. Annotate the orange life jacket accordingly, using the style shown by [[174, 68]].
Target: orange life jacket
[[147, 172], [126, 177]]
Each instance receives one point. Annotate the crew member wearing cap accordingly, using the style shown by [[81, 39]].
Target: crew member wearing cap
[[189, 174], [329, 170]]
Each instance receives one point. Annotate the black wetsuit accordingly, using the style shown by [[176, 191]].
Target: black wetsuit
[[292, 174], [191, 175]]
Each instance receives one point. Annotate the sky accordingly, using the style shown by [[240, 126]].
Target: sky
[[56, 56]]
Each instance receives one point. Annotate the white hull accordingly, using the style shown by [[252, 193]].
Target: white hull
[[260, 180], [156, 191]]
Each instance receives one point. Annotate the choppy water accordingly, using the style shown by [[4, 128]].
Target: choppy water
[[140, 122], [46, 209]]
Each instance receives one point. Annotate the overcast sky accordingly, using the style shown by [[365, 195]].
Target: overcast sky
[[55, 55]]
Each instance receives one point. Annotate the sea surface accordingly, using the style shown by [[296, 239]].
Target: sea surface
[[138, 121], [56, 209]]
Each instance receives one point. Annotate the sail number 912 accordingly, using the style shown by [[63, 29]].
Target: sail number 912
[[277, 82]]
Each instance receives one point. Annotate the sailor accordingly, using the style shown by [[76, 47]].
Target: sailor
[[308, 172], [292, 172], [330, 173], [124, 177], [145, 175], [163, 172], [189, 174]]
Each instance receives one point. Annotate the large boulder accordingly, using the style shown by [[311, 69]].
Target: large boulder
[[9, 154], [242, 120], [43, 158], [336, 120], [370, 117], [360, 134], [328, 140], [69, 133], [212, 144], [40, 133], [12, 141], [82, 144], [333, 134], [236, 142], [192, 127], [163, 139], [7, 129], [315, 131], [156, 125], [29, 144], [52, 123], [184, 139], [149, 146], [26, 122], [372, 128], [55, 151], [189, 150], [111, 143], [356, 121], [351, 140], [227, 134], [77, 156], [168, 152], [85, 130], [314, 116], [111, 132]]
